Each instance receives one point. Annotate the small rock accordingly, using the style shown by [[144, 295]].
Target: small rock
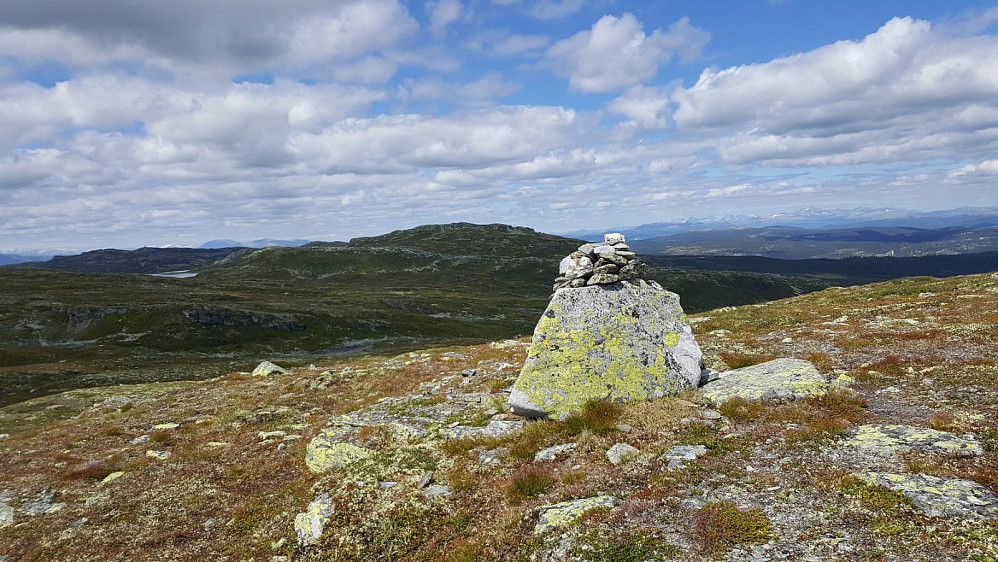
[[267, 435], [310, 523], [426, 480], [613, 238], [469, 372], [4, 435], [282, 446], [387, 485], [164, 426], [6, 515], [552, 453], [567, 512], [112, 477], [621, 453], [623, 427], [710, 414], [159, 455], [437, 491], [493, 457]]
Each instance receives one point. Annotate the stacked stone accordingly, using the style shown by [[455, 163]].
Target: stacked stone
[[598, 264]]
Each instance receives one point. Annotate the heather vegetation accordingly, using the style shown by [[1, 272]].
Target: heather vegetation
[[777, 480]]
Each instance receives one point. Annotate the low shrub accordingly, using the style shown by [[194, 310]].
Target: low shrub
[[719, 526]]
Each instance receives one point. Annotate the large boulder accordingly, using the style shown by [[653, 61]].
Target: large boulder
[[623, 341]]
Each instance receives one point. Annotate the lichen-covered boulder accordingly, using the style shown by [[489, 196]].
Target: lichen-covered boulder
[[310, 523], [266, 368], [938, 496], [625, 341], [325, 453], [886, 437], [565, 513], [778, 379]]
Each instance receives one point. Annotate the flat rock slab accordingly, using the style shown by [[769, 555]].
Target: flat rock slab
[[906, 437], [780, 379], [495, 428], [565, 513], [325, 453], [625, 341], [552, 454], [938, 496], [310, 523]]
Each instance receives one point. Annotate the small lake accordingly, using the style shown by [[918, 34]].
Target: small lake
[[175, 274]]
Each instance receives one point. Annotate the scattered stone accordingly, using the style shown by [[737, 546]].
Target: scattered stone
[[426, 480], [310, 523], [710, 414], [777, 379], [680, 453], [624, 341], [159, 455], [493, 457], [116, 402], [552, 453], [938, 496], [112, 477], [6, 515], [621, 453], [567, 512], [469, 372], [623, 428], [906, 437], [42, 504], [324, 453], [4, 435], [436, 491], [266, 368], [388, 484], [267, 435], [164, 426], [495, 428]]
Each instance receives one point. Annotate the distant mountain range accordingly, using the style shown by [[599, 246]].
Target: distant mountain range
[[261, 243], [818, 219]]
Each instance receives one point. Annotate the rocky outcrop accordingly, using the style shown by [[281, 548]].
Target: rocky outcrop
[[628, 340], [266, 368], [897, 438], [567, 512], [785, 379], [938, 496]]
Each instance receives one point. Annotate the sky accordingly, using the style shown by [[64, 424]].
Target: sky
[[127, 123]]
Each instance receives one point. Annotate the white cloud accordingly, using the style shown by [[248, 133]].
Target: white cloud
[[443, 13], [647, 107], [616, 53], [986, 168], [905, 92]]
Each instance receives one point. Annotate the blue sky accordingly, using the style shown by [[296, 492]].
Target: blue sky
[[171, 123]]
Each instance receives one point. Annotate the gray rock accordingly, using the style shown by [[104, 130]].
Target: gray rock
[[426, 480], [266, 368], [6, 515], [602, 279], [310, 523], [626, 341], [621, 453], [495, 428], [613, 238], [898, 438], [676, 455], [552, 453], [493, 457], [567, 512], [437, 491], [574, 266], [777, 379], [937, 496], [608, 268]]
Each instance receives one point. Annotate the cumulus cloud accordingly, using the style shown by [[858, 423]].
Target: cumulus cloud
[[905, 92], [646, 107], [616, 53], [986, 168]]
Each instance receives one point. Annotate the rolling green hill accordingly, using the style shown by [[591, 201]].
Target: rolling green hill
[[433, 285]]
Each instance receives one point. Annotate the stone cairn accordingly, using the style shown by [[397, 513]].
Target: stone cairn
[[598, 264]]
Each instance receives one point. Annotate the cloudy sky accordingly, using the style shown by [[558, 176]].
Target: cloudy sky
[[128, 122]]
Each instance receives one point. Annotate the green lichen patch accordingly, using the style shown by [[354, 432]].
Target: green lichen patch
[[906, 437], [324, 453], [567, 512], [777, 379], [938, 496]]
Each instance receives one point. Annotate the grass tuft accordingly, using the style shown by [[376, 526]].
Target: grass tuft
[[530, 482], [599, 417], [720, 526]]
